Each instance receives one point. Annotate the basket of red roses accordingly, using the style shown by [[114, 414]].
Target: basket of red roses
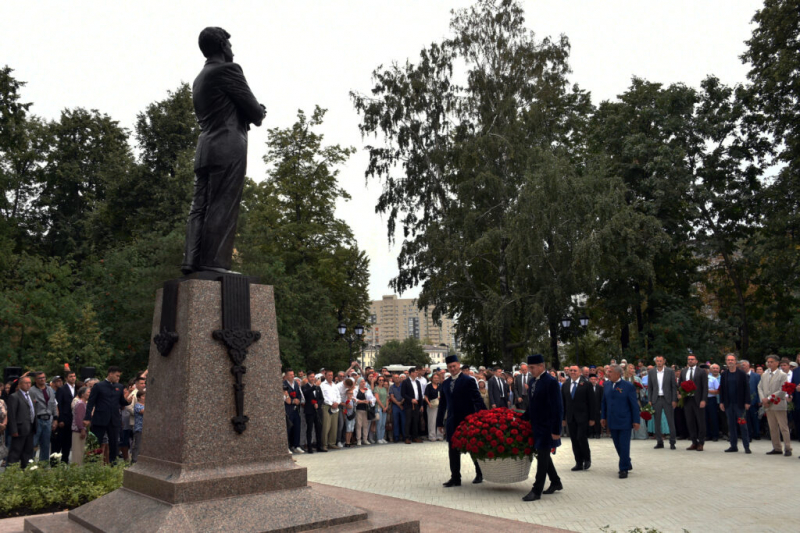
[[500, 440], [686, 390]]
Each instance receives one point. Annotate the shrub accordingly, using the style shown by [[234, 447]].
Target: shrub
[[42, 488]]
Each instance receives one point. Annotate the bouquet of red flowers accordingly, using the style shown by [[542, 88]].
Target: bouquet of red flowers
[[788, 387], [647, 412], [686, 390], [494, 434], [638, 385], [741, 421]]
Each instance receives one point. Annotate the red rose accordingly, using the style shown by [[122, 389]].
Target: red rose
[[494, 443], [527, 451], [688, 386], [292, 394], [788, 387], [519, 438], [490, 455], [509, 440], [501, 449]]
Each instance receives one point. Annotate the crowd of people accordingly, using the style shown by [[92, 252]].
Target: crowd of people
[[51, 421], [332, 410]]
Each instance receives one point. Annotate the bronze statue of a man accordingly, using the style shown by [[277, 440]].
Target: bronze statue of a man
[[225, 108]]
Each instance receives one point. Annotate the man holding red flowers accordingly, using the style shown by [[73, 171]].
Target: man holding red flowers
[[458, 398], [695, 405], [773, 398], [545, 412]]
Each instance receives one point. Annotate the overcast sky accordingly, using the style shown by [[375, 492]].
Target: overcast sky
[[118, 57]]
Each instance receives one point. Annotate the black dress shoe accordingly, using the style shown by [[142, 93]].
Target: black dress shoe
[[747, 450], [322, 450], [452, 483], [659, 445], [623, 474], [731, 450], [577, 467], [774, 452], [478, 479], [587, 465], [553, 487], [788, 453], [531, 496], [671, 446]]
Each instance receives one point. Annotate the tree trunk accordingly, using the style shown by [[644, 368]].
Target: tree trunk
[[625, 337], [554, 345]]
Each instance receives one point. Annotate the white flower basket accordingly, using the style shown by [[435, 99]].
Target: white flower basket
[[506, 470]]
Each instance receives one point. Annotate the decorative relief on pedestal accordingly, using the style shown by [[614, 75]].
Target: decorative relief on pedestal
[[237, 337], [167, 336]]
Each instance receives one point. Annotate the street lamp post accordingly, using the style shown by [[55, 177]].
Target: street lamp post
[[566, 322], [358, 332]]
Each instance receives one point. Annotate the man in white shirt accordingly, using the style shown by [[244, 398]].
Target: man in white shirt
[[330, 411], [662, 391]]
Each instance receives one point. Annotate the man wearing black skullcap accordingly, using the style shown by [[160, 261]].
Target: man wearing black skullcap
[[545, 412], [458, 397]]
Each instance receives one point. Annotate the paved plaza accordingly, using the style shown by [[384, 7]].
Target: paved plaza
[[668, 490]]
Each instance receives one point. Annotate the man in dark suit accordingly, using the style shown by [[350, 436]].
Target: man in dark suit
[[498, 389], [103, 410], [521, 383], [21, 423], [225, 107], [412, 405], [458, 398], [662, 392], [64, 397], [292, 399], [734, 401], [620, 413], [753, 423], [312, 396], [597, 390], [545, 412], [578, 399], [694, 407]]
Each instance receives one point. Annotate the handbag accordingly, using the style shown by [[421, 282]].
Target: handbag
[[370, 412], [434, 403]]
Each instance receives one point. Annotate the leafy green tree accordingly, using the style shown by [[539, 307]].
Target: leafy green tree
[[408, 352], [20, 158], [489, 180], [156, 195], [291, 237], [86, 152]]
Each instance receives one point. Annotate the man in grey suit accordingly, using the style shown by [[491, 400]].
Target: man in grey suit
[[663, 395], [521, 382], [21, 424], [695, 406], [225, 108]]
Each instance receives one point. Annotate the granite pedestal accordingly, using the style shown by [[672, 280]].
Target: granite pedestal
[[195, 473]]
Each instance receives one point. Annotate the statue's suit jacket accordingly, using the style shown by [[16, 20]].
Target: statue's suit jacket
[[225, 108]]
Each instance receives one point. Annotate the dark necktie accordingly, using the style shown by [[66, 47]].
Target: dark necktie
[[574, 385], [452, 384]]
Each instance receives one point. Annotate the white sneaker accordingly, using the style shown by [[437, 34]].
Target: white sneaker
[[290, 451], [298, 450], [339, 445], [358, 443], [382, 441], [367, 443]]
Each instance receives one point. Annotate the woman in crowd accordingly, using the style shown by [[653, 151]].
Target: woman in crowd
[[3, 424], [631, 377], [484, 392], [364, 399], [510, 383], [381, 394], [78, 429], [432, 401], [348, 408]]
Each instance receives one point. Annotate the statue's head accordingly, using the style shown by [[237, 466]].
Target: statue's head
[[214, 40]]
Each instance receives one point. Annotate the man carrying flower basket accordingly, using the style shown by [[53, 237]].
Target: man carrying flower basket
[[545, 412], [458, 398]]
